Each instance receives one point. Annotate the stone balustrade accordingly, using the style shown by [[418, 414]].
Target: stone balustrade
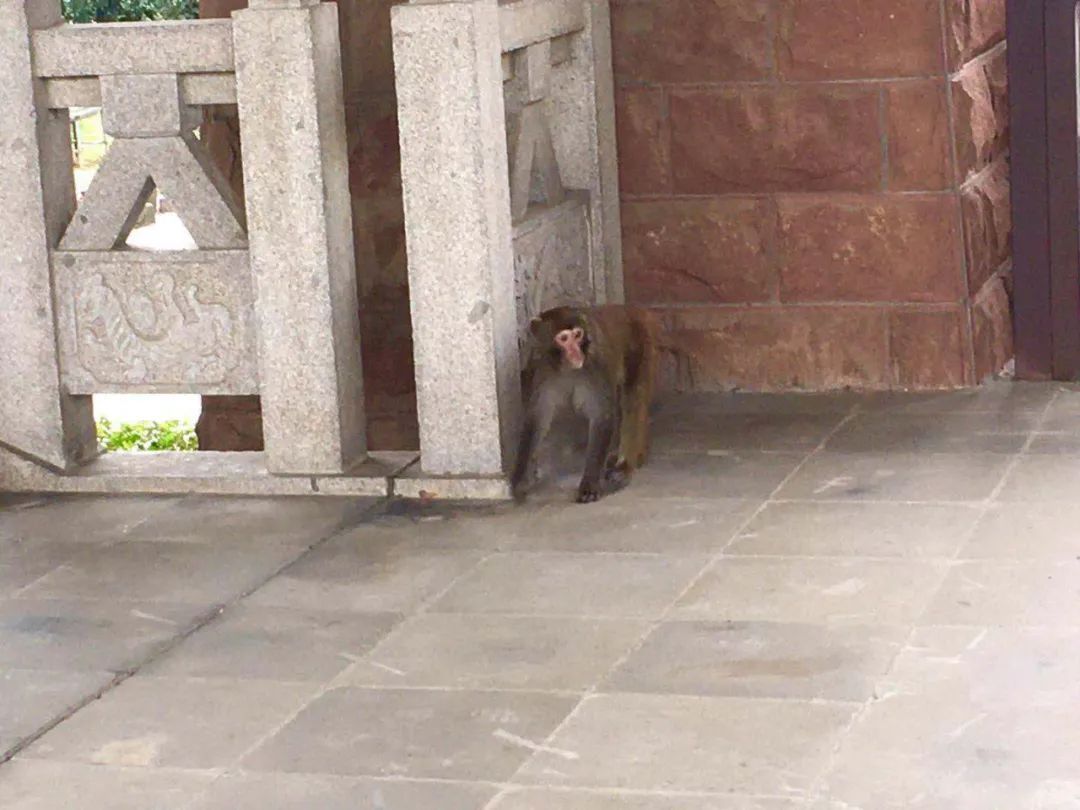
[[266, 305], [511, 201]]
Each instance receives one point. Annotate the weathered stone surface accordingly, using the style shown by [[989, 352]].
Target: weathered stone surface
[[230, 424], [872, 248], [370, 479], [305, 274], [156, 474], [783, 138], [181, 170], [772, 348], [551, 261], [37, 198], [859, 39], [143, 106], [593, 65], [971, 27], [173, 46], [534, 166], [919, 139], [698, 251], [460, 730], [522, 25], [644, 141], [927, 348], [690, 40], [459, 234], [582, 115], [980, 105], [207, 473], [692, 744], [993, 333], [987, 216], [137, 321], [303, 791]]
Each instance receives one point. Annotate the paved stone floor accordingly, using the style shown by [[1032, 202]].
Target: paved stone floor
[[803, 602]]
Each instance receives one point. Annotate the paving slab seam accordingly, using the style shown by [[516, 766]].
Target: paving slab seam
[[593, 690], [504, 788], [817, 785], [875, 501], [742, 527], [337, 681], [201, 621]]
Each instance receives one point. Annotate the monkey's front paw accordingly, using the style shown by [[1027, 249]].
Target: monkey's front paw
[[519, 493], [588, 493]]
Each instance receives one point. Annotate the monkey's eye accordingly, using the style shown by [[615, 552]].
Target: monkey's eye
[[579, 333], [562, 337]]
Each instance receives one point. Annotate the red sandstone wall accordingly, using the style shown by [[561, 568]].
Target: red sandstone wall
[[815, 194]]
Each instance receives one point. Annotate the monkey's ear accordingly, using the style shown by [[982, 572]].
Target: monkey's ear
[[534, 326]]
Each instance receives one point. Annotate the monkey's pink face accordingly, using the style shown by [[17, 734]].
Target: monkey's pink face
[[569, 342]]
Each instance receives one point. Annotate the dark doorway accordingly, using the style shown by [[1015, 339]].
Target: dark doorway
[[1043, 91]]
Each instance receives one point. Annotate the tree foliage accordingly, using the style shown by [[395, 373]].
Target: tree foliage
[[87, 11]]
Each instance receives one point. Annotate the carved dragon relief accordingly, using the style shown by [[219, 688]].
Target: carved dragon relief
[[159, 319], [152, 325]]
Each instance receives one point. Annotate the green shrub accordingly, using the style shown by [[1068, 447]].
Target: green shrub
[[170, 435], [86, 11]]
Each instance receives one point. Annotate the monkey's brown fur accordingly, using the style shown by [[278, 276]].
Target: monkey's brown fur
[[613, 389]]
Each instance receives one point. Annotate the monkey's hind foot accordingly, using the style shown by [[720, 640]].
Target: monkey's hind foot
[[617, 478], [589, 492]]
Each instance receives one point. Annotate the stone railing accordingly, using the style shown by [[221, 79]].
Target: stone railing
[[511, 201], [266, 305]]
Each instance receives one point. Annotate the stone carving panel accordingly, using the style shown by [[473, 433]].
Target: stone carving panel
[[133, 321], [552, 260]]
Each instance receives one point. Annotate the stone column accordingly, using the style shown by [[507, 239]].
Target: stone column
[[289, 93], [37, 199], [458, 233]]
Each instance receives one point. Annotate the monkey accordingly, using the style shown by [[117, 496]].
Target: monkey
[[600, 363]]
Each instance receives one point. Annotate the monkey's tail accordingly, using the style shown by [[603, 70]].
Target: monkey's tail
[[668, 349]]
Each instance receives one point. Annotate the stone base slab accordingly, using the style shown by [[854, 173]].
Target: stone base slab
[[198, 473], [209, 473]]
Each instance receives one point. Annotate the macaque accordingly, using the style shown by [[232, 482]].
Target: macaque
[[599, 363]]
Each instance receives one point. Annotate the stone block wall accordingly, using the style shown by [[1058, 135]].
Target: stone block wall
[[815, 194]]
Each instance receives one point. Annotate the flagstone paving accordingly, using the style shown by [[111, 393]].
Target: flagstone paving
[[803, 602]]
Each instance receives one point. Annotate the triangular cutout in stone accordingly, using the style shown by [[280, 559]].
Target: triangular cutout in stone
[[127, 177], [166, 231], [534, 166]]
